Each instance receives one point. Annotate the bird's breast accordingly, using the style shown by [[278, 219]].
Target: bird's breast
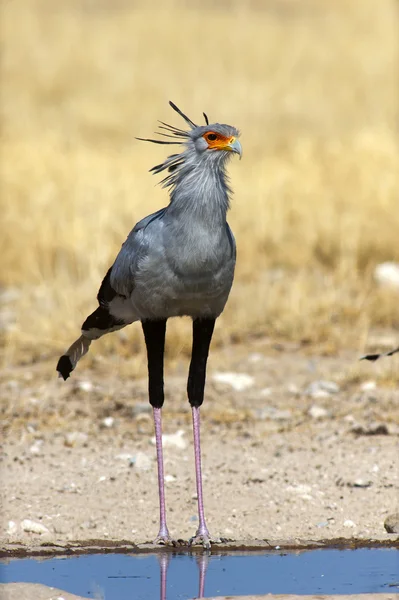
[[187, 275]]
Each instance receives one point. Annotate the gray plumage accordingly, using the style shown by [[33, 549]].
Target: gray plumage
[[180, 260]]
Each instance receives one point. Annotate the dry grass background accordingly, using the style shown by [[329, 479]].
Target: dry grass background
[[313, 86]]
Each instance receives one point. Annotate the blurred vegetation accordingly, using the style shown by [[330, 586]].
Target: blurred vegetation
[[311, 84]]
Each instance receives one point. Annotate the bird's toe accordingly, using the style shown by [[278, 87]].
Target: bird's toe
[[201, 539], [165, 540]]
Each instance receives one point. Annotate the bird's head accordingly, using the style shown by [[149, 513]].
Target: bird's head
[[216, 138], [211, 142]]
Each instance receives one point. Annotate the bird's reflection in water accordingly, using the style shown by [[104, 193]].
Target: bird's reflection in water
[[164, 559]]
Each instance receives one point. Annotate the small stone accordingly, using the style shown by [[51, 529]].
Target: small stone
[[255, 357], [36, 447], [108, 422], [75, 438], [322, 524], [370, 429], [173, 440], [302, 490], [238, 381], [349, 523], [322, 389], [368, 386], [85, 386], [265, 392], [33, 527], [170, 478], [391, 523], [90, 524], [293, 389], [270, 412], [142, 462], [11, 527], [317, 412], [361, 483], [387, 274], [124, 456]]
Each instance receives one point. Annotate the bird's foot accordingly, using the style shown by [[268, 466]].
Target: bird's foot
[[203, 537], [164, 539]]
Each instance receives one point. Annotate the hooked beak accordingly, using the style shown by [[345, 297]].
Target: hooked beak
[[235, 146]]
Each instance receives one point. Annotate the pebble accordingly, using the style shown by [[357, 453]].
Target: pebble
[[270, 412], [85, 386], [36, 447], [238, 381], [173, 440], [368, 386], [90, 524], [75, 438], [360, 483], [33, 527], [108, 422], [302, 490], [322, 389], [387, 274], [255, 357], [124, 456], [11, 527], [170, 478], [142, 462], [349, 523], [265, 392], [293, 389], [391, 523], [318, 412], [370, 429]]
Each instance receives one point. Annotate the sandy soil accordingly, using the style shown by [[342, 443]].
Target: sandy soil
[[28, 591], [281, 460]]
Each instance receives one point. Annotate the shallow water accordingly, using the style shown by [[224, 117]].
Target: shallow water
[[170, 576]]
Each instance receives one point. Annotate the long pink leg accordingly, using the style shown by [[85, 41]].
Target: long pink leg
[[154, 334], [202, 531], [202, 335], [163, 536]]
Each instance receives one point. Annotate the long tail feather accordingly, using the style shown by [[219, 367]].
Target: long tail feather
[[374, 357], [69, 360]]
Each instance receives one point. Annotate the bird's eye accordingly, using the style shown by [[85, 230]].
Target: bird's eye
[[212, 137]]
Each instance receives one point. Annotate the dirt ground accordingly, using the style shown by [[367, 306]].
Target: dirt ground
[[305, 448], [23, 591]]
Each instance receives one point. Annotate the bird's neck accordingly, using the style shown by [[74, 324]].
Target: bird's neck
[[201, 193]]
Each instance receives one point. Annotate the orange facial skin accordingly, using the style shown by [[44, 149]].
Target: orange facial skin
[[216, 141]]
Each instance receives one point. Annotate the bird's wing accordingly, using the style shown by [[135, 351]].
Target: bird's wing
[[232, 242], [122, 273]]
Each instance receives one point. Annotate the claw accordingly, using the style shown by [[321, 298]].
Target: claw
[[165, 540], [203, 539]]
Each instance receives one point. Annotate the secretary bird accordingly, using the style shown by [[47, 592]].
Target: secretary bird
[[178, 261]]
